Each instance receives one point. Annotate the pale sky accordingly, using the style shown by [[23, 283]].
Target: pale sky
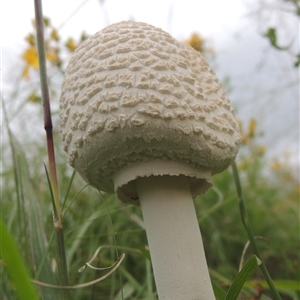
[[180, 18]]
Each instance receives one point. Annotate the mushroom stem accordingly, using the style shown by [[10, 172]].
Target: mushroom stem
[[174, 238]]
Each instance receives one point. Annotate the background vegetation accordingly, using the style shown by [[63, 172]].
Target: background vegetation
[[92, 219]]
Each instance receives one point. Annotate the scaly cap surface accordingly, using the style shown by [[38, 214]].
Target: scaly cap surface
[[133, 95]]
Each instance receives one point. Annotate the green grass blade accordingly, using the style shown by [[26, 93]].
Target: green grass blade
[[31, 220], [242, 277], [224, 281], [144, 251], [50, 187], [138, 287], [18, 184], [60, 249], [15, 266], [248, 228], [220, 294], [125, 293], [35, 232], [79, 236], [214, 207], [149, 281], [68, 189]]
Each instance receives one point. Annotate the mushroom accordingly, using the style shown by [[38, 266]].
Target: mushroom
[[144, 116]]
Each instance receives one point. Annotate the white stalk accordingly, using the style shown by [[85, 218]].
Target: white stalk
[[174, 238]]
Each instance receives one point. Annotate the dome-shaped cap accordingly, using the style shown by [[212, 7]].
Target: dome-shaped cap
[[133, 96]]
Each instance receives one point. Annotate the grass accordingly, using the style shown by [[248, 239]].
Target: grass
[[92, 219]]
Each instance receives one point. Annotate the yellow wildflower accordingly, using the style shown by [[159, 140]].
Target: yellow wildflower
[[244, 164], [276, 165], [244, 139], [51, 56], [47, 21], [83, 36], [25, 73], [252, 127], [34, 98], [261, 150], [54, 34], [31, 57], [196, 42], [30, 39], [71, 45]]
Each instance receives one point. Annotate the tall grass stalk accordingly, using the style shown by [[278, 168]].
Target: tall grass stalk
[[61, 257], [246, 223]]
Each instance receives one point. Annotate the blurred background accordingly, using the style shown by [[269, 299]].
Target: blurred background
[[253, 46]]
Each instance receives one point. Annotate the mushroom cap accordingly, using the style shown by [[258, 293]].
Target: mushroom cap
[[134, 98]]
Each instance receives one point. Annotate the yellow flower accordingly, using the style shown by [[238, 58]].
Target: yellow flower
[[261, 150], [30, 39], [34, 98], [244, 164], [252, 127], [83, 37], [244, 139], [276, 165], [54, 34], [25, 73], [31, 57], [51, 56], [196, 42], [47, 21], [71, 45]]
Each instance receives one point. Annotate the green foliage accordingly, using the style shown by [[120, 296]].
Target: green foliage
[[87, 213], [293, 6], [271, 193], [272, 36], [15, 266], [243, 276]]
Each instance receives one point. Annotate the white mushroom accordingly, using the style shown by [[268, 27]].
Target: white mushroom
[[144, 116]]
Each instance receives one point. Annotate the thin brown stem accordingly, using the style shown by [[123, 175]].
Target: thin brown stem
[[61, 256], [46, 105]]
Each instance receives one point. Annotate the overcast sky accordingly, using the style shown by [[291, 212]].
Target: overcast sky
[[263, 81], [180, 18]]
